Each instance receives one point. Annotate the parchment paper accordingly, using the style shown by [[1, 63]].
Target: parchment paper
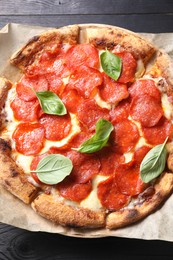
[[158, 225]]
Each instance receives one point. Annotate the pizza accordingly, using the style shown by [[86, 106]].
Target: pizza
[[86, 132]]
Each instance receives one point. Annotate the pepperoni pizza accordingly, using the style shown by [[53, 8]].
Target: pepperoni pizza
[[86, 133]]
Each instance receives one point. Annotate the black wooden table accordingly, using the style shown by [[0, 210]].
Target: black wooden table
[[137, 15]]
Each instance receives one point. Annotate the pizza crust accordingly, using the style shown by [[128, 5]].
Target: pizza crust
[[12, 178], [63, 214], [27, 54], [163, 188], [110, 37]]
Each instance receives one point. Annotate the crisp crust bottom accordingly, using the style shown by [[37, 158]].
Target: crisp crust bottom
[[59, 213]]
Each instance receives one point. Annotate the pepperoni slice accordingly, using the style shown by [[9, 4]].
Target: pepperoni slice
[[126, 136], [112, 91], [146, 110], [24, 87], [25, 111], [82, 54], [72, 100], [85, 80], [140, 154], [144, 86], [128, 180], [120, 112], [29, 138], [71, 190], [79, 139], [109, 161], [89, 113], [158, 133], [129, 65], [110, 196], [60, 68], [56, 127], [85, 167], [55, 83]]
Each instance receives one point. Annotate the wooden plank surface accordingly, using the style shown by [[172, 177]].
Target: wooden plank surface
[[137, 15], [135, 22], [19, 244], [52, 7]]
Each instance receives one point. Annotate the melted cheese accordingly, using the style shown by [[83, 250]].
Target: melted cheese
[[167, 107], [92, 201]]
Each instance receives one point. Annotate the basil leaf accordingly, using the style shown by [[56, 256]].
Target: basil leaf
[[153, 163], [111, 64], [51, 103], [53, 168], [99, 139]]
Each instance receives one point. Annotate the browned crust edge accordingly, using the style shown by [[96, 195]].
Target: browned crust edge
[[12, 178], [109, 37], [27, 54], [163, 67], [122, 218], [5, 85], [63, 214]]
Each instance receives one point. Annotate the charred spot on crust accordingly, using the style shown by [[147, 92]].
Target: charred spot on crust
[[13, 172], [4, 146], [102, 43], [33, 39], [132, 214], [146, 195], [7, 183]]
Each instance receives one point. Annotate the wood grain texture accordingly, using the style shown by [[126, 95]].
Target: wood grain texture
[[135, 22], [17, 244], [85, 7]]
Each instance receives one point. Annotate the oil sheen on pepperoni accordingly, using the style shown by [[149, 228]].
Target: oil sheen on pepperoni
[[71, 190], [25, 111], [140, 153], [128, 180], [129, 66], [146, 110], [85, 167], [158, 133], [109, 161], [112, 91], [82, 54], [25, 87], [56, 127], [144, 86], [120, 112], [71, 100], [55, 83], [126, 136], [29, 138], [89, 113], [110, 196], [85, 80]]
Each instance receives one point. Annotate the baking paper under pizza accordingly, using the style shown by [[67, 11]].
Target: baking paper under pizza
[[86, 133]]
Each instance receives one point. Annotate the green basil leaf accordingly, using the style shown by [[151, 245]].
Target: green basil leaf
[[153, 163], [53, 168], [111, 64], [51, 103], [99, 139]]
